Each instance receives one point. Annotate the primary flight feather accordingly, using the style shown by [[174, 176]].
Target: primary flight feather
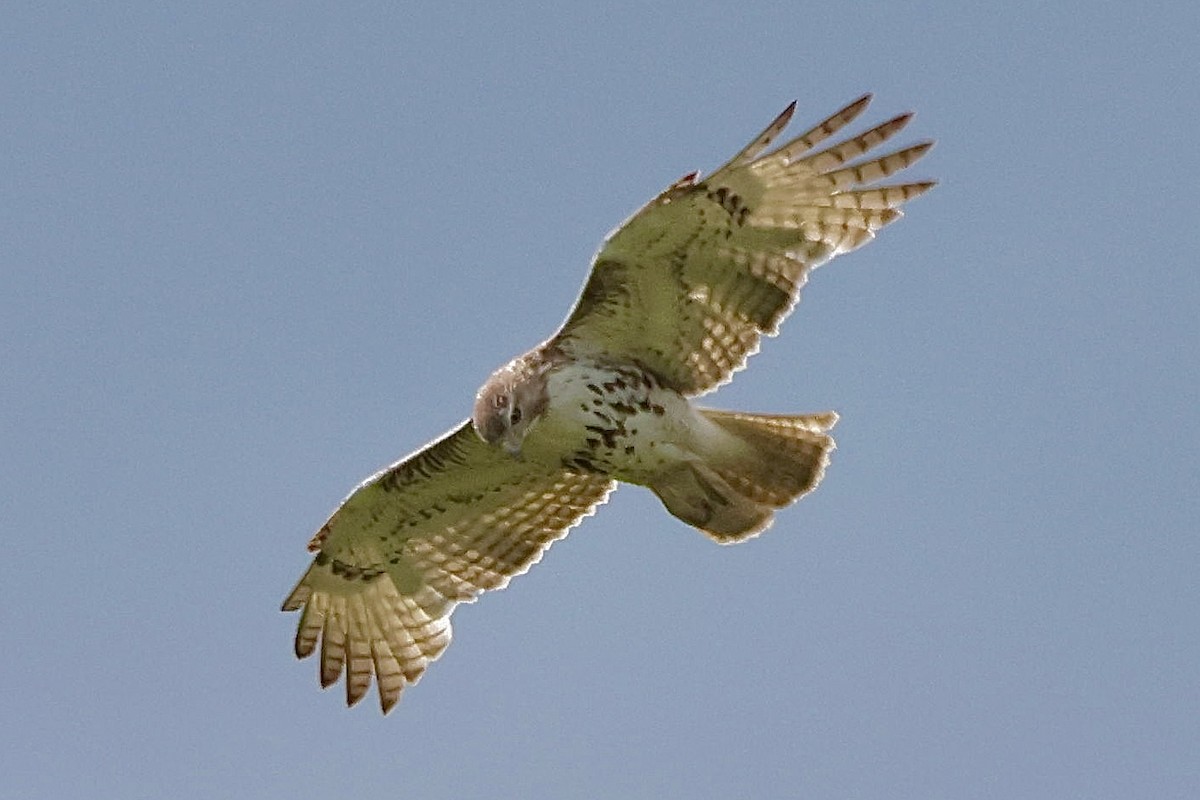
[[677, 300]]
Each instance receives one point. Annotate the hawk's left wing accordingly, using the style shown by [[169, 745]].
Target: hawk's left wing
[[437, 528], [689, 284]]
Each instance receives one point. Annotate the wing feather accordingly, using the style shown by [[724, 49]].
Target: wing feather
[[824, 129], [764, 139], [435, 529], [689, 284]]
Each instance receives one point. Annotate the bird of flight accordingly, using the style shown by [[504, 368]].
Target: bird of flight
[[677, 300]]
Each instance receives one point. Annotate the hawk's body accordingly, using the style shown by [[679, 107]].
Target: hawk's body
[[609, 418], [677, 300]]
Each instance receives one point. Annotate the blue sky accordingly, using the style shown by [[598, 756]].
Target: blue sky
[[250, 253]]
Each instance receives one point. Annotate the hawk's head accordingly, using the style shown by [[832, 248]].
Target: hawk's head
[[509, 403]]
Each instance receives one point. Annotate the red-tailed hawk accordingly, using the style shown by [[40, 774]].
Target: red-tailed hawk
[[677, 300]]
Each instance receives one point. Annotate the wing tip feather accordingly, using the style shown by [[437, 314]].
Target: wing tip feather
[[858, 105]]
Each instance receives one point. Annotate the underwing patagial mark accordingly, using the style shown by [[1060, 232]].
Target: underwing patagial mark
[[732, 203]]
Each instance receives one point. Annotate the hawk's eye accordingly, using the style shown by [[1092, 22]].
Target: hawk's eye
[[515, 416], [500, 400]]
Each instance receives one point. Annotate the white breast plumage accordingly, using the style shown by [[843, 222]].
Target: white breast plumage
[[614, 419]]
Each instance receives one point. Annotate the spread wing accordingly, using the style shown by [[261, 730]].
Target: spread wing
[[437, 528], [689, 284]]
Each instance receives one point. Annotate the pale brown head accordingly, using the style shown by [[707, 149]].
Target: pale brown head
[[510, 403]]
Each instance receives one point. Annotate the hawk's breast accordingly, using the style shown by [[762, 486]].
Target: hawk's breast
[[615, 419]]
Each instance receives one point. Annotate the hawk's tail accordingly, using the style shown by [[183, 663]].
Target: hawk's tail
[[733, 491]]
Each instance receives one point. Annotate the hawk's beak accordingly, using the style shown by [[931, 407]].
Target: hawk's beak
[[512, 445]]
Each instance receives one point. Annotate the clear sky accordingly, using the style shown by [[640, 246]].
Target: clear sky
[[251, 252]]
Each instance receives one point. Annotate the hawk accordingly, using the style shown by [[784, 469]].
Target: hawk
[[677, 299]]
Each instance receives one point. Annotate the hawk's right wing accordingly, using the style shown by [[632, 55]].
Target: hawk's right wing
[[437, 528], [689, 284]]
